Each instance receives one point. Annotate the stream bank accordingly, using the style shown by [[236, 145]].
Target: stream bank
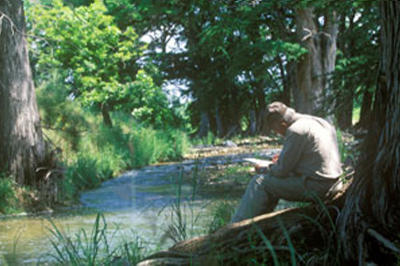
[[140, 201]]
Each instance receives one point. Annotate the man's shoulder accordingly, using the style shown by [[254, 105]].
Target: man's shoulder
[[303, 124]]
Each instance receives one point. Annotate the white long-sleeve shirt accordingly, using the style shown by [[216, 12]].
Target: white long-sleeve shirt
[[310, 149]]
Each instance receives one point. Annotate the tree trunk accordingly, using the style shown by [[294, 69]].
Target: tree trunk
[[204, 125], [366, 110], [21, 141], [252, 123], [292, 79], [259, 104], [344, 109], [345, 85], [286, 95], [105, 111], [316, 67], [218, 122], [369, 224]]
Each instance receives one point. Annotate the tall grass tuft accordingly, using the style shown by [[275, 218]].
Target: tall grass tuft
[[95, 248], [148, 146], [221, 215], [183, 221]]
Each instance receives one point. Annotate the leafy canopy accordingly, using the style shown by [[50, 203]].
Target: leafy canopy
[[101, 63]]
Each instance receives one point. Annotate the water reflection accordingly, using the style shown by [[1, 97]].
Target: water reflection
[[134, 202]]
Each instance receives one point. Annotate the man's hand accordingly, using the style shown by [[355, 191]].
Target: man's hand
[[261, 169], [264, 169], [275, 158]]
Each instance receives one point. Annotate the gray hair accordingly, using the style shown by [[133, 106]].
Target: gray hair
[[276, 113]]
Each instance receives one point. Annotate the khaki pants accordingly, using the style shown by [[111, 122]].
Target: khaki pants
[[264, 191]]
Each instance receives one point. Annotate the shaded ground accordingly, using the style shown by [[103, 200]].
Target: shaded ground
[[220, 170]]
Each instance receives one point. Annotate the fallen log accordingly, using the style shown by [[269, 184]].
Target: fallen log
[[295, 234]]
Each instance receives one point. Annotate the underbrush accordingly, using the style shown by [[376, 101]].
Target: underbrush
[[92, 151], [108, 152], [8, 195], [15, 198]]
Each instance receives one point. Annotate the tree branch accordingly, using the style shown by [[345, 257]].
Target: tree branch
[[13, 26], [309, 35], [11, 22]]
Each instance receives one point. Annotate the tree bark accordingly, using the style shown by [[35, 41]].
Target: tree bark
[[219, 124], [204, 125], [370, 217], [345, 85], [316, 67], [252, 123], [366, 110], [105, 111], [286, 82], [344, 109], [21, 141]]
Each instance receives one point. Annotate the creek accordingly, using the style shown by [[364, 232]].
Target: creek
[[137, 203]]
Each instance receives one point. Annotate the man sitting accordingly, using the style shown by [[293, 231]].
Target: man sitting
[[308, 165]]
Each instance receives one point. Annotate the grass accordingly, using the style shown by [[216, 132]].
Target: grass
[[182, 218], [290, 249], [96, 247], [184, 214], [221, 214]]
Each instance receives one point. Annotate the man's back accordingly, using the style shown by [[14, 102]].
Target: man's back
[[310, 149]]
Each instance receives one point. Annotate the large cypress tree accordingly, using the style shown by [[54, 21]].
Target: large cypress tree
[[369, 225], [21, 141]]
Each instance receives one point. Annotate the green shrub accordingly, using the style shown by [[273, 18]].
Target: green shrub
[[82, 174], [179, 145], [146, 147], [111, 161], [8, 196]]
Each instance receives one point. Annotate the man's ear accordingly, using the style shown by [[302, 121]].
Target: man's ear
[[284, 124], [281, 127]]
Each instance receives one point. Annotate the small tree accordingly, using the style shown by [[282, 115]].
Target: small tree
[[101, 64]]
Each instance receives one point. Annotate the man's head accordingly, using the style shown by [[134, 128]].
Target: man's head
[[277, 117]]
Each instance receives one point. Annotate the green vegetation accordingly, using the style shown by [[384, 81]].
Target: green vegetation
[[124, 84], [8, 195], [221, 215], [182, 220], [93, 152], [95, 248], [106, 153], [14, 198]]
